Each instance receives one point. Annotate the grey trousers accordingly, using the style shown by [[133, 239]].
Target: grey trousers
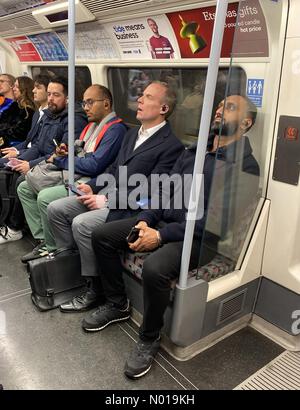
[[72, 224]]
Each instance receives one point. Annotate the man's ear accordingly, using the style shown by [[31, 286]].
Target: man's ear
[[164, 109], [246, 123]]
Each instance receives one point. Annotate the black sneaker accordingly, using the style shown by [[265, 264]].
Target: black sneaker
[[141, 358], [104, 315], [38, 252]]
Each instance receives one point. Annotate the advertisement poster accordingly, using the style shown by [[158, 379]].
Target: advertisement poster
[[24, 48], [49, 46], [145, 38], [194, 29], [251, 38], [91, 42]]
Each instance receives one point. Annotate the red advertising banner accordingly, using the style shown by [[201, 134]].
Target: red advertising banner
[[24, 48], [194, 28]]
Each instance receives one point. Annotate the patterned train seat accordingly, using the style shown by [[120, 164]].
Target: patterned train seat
[[217, 267]]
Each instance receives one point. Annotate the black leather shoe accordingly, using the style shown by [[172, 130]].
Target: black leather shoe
[[38, 252], [81, 303]]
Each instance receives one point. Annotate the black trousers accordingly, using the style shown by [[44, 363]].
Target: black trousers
[[159, 269], [15, 218]]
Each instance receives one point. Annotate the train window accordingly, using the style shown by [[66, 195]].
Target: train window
[[83, 77], [127, 84]]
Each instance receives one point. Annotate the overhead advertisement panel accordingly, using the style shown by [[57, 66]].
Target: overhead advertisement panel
[[188, 33], [49, 46], [178, 35], [194, 29], [92, 42], [39, 47], [144, 38], [24, 48]]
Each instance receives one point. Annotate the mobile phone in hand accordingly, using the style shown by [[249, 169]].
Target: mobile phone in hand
[[75, 190], [133, 235]]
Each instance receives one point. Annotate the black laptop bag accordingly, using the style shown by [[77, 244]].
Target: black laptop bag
[[55, 279]]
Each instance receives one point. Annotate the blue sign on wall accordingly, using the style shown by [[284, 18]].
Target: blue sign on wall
[[255, 90], [49, 46]]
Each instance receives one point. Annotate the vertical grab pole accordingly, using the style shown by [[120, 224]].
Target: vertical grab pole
[[210, 87], [71, 86]]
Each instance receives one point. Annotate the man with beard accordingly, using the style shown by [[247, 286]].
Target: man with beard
[[161, 232], [53, 130]]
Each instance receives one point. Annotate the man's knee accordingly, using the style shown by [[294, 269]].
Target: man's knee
[[53, 210], [82, 225]]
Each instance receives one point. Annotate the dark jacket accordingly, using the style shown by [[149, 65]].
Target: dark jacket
[[15, 123], [226, 160], [31, 137], [53, 126], [94, 163], [156, 155]]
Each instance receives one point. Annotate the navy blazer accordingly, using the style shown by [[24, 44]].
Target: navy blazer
[[156, 155]]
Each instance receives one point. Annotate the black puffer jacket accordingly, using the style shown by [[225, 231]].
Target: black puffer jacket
[[15, 124]]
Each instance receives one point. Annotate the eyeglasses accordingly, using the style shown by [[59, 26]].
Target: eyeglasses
[[90, 103]]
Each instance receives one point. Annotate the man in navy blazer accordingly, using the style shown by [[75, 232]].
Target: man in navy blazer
[[150, 149]]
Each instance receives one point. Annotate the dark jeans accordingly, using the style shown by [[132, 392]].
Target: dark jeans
[[159, 269]]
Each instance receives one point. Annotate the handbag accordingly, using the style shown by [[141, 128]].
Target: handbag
[[45, 175]]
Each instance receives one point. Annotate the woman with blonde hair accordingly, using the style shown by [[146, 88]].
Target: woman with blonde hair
[[15, 122]]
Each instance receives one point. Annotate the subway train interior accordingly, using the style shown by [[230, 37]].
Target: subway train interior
[[233, 323]]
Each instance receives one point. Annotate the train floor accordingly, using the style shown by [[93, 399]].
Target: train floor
[[48, 350]]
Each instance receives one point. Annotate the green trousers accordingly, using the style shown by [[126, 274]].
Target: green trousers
[[35, 209]]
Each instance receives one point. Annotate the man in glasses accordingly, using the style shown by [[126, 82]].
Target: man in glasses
[[149, 149], [96, 148]]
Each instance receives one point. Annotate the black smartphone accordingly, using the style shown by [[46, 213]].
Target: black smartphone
[[133, 235], [75, 190]]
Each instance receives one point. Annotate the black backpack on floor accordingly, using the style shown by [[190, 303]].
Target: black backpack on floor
[[55, 279]]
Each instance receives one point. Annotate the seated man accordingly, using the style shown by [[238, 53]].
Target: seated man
[[54, 126], [162, 231], [97, 148], [152, 148], [7, 82]]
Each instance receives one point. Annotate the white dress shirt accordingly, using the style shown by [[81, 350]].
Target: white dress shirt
[[143, 135]]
